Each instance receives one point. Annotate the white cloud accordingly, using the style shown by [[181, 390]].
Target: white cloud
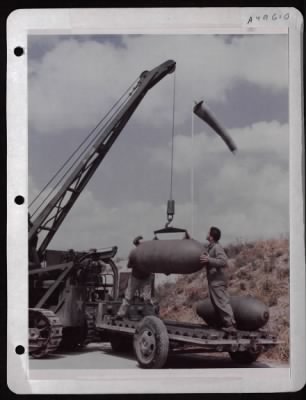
[[247, 199], [246, 194], [240, 208], [261, 137], [92, 224], [243, 203], [75, 83]]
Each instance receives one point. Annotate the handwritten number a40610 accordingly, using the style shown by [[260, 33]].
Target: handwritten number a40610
[[267, 17]]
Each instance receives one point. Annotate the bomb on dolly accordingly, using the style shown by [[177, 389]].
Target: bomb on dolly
[[155, 339]]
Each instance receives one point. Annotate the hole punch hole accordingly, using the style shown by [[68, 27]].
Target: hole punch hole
[[19, 350], [18, 51], [19, 200]]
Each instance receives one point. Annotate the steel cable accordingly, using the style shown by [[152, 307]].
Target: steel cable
[[172, 136]]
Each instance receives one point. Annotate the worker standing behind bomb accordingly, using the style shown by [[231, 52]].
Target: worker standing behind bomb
[[138, 281], [215, 261]]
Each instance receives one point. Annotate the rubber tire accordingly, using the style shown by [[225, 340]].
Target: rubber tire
[[157, 328], [121, 344], [244, 357]]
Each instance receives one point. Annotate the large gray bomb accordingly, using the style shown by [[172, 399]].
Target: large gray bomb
[[250, 313], [177, 256], [202, 111]]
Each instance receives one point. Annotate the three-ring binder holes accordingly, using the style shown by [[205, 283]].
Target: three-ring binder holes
[[19, 350], [18, 51], [19, 200]]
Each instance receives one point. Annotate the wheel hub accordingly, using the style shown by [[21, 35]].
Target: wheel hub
[[151, 342], [147, 343]]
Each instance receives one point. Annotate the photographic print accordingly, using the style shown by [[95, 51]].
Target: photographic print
[[158, 228]]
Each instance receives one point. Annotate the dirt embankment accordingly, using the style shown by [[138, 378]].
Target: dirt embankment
[[260, 269]]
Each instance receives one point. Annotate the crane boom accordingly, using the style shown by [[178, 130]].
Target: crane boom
[[54, 213]]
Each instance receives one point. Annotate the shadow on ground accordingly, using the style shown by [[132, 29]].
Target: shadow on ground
[[92, 357], [208, 361]]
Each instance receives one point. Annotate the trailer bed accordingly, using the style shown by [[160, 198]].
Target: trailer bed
[[197, 334]]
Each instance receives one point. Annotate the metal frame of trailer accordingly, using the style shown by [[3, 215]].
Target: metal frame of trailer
[[174, 337]]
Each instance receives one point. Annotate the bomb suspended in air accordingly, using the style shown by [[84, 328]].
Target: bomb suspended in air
[[202, 111], [176, 256], [250, 313]]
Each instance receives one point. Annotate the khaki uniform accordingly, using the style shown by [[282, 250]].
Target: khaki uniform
[[217, 284], [140, 282]]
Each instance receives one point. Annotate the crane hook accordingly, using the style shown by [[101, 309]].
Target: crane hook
[[170, 212]]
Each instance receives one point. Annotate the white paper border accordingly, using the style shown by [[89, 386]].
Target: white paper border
[[161, 21]]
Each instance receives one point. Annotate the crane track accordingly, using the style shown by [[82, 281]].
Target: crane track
[[45, 332]]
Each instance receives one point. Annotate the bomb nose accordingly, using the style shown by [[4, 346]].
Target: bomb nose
[[266, 316]]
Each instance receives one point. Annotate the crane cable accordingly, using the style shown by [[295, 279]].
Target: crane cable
[[172, 137], [78, 148], [192, 172], [171, 203]]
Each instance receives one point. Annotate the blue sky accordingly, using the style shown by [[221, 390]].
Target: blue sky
[[74, 80]]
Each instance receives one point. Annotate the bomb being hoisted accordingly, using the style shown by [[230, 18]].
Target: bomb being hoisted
[[232, 324], [187, 255], [176, 256]]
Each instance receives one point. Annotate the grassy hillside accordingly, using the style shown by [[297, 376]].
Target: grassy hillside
[[260, 269]]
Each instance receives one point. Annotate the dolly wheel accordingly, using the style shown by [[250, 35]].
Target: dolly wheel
[[151, 343], [244, 357]]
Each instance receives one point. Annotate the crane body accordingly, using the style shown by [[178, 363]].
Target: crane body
[[62, 294]]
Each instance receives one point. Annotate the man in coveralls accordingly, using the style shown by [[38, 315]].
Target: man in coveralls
[[215, 261], [138, 281]]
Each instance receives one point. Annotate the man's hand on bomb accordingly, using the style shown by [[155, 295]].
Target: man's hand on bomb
[[204, 258]]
